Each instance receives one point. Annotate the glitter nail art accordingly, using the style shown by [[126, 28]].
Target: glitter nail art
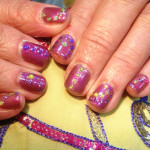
[[77, 79], [101, 96], [32, 82], [35, 54], [64, 46], [139, 82], [54, 14], [10, 101]]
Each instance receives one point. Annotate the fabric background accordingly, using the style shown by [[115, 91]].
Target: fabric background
[[60, 109]]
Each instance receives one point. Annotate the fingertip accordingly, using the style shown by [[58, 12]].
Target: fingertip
[[11, 105]]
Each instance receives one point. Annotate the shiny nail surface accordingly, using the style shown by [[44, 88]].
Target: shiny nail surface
[[35, 54], [139, 82], [54, 14], [32, 82], [64, 46], [10, 101], [77, 79], [101, 96]]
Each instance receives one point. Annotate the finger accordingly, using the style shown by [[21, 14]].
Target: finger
[[100, 41], [123, 66], [22, 49], [64, 44], [10, 105], [27, 82], [139, 86], [32, 18]]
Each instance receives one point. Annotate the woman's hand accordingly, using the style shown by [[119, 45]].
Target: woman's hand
[[21, 56], [107, 47]]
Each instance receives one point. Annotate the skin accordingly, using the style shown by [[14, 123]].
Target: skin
[[20, 21], [114, 39]]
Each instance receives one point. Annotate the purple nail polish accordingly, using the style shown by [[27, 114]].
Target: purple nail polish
[[102, 95], [139, 82], [77, 79], [10, 101], [64, 46], [35, 54], [32, 82], [54, 14]]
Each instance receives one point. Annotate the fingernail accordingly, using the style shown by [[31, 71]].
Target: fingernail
[[102, 95], [139, 82], [64, 46], [54, 14], [77, 79], [35, 54], [32, 82], [10, 101]]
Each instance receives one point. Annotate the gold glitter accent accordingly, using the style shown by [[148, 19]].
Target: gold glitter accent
[[64, 43], [105, 86], [11, 94], [31, 76], [74, 80], [96, 126], [48, 19], [1, 103], [77, 75], [55, 18], [43, 15], [91, 94], [96, 94], [106, 92], [135, 81], [63, 9], [138, 109], [71, 86], [81, 69]]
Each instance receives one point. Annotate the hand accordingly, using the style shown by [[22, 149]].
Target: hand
[[21, 56], [107, 47]]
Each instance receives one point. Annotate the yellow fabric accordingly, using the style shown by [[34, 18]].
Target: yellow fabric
[[60, 109]]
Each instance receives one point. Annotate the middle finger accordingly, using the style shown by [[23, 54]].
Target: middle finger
[[99, 42]]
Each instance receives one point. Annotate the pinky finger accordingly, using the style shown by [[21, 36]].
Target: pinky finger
[[139, 86], [10, 105]]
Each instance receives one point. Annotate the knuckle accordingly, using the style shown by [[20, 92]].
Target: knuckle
[[127, 61], [99, 40], [16, 13]]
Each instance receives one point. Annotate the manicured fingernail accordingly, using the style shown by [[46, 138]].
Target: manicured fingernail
[[102, 95], [77, 79], [32, 82], [35, 54], [10, 101], [54, 14], [139, 82], [64, 46]]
